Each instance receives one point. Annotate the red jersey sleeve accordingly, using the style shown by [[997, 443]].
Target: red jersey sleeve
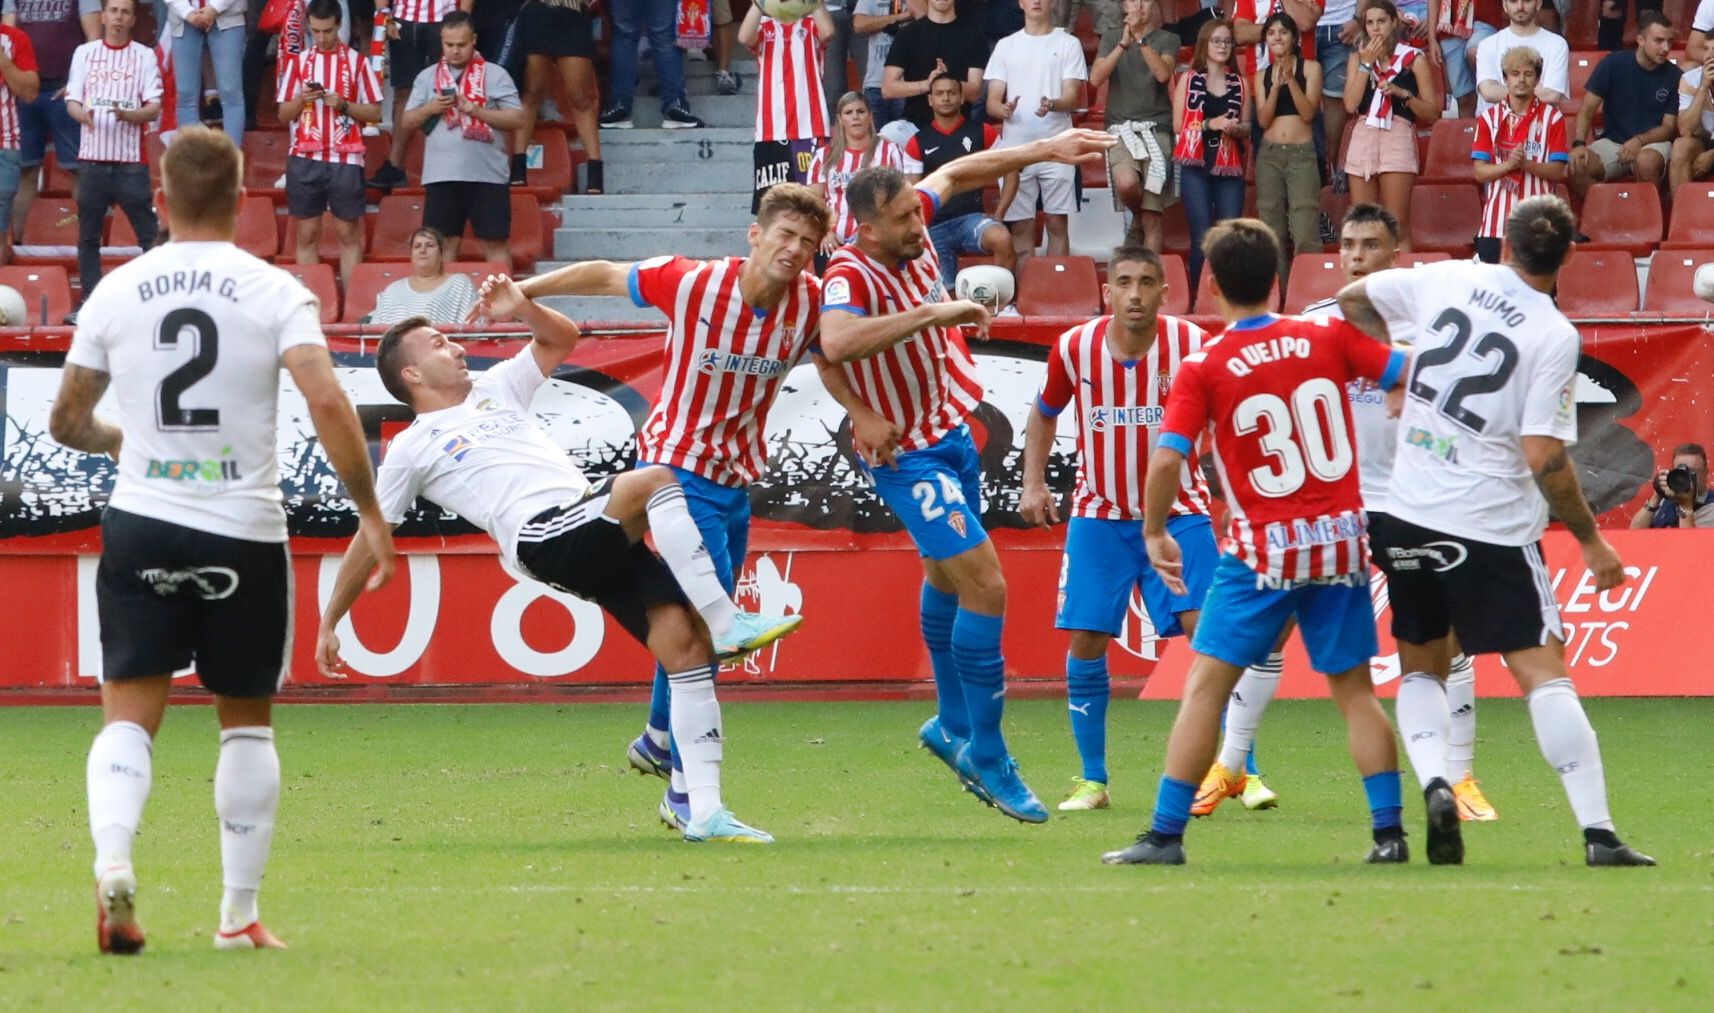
[[1483, 147], [930, 205], [1059, 387], [23, 53], [913, 149], [1186, 408], [655, 282], [990, 134], [1558, 145], [845, 288], [1367, 358]]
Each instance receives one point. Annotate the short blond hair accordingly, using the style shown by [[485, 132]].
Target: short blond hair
[[794, 199], [203, 175], [1521, 54]]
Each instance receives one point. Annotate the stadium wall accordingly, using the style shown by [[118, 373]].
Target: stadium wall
[[822, 544]]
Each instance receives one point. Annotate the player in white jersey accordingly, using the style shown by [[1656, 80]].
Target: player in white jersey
[[195, 568], [1117, 369], [1481, 458], [474, 450], [736, 328]]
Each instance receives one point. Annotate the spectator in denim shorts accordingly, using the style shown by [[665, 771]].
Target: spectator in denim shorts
[[55, 29], [1336, 36], [17, 71], [1458, 52]]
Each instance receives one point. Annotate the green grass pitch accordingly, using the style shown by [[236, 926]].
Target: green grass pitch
[[484, 857]]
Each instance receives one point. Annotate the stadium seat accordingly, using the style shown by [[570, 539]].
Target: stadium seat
[[1599, 283], [1207, 305], [1670, 274], [1096, 229], [1444, 219], [1582, 67], [318, 278], [1692, 215], [479, 270], [1334, 205], [50, 233], [366, 285], [1448, 159], [1058, 287], [1314, 277], [398, 216], [46, 289], [1622, 216], [555, 175], [265, 153], [1177, 302], [56, 182], [1175, 229], [526, 241]]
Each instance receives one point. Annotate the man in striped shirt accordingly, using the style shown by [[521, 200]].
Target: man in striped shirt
[[114, 91], [887, 322], [791, 109], [325, 92], [1272, 391], [19, 82], [736, 328], [1520, 150]]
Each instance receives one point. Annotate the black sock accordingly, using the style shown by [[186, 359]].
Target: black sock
[[1385, 834], [1595, 835], [1160, 839]]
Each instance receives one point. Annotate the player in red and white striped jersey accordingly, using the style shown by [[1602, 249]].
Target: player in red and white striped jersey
[[114, 91], [1520, 151], [736, 328], [19, 79], [791, 107], [887, 322], [1272, 392]]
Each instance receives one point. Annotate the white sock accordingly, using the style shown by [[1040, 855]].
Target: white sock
[[1244, 710], [1461, 701], [696, 731], [1423, 724], [680, 545], [246, 794], [119, 773], [1568, 744], [675, 780]]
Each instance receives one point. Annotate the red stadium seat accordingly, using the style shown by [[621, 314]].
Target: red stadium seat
[[526, 241], [479, 270], [265, 154], [1444, 219], [1058, 287], [318, 278], [366, 285], [1177, 302], [56, 182], [555, 175], [1692, 215], [52, 221], [1448, 159], [1314, 277], [1599, 283], [46, 289], [1582, 67], [1208, 305], [1175, 229], [1669, 285], [397, 217], [1623, 216]]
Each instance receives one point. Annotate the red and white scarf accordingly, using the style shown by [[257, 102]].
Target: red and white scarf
[[475, 88], [1189, 149], [1381, 106], [347, 138], [1457, 17]]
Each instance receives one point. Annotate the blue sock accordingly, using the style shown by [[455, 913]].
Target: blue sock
[[982, 670], [1385, 806], [660, 702], [939, 610], [1250, 763], [1172, 806], [1086, 691]]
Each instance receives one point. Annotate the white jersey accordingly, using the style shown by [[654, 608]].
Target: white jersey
[[485, 460], [1496, 361], [192, 335], [1377, 435]]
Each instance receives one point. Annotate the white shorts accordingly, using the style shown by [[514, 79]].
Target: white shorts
[[1055, 183]]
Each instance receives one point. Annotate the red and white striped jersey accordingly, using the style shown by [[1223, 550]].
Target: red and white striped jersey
[[16, 45], [1120, 407], [1272, 391], [423, 11], [725, 364], [1499, 131], [790, 104], [105, 79], [926, 384], [321, 132], [836, 178]]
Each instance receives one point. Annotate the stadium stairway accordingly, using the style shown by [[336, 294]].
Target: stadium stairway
[[684, 192]]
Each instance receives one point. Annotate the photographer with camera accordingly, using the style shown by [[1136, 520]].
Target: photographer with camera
[[1679, 496]]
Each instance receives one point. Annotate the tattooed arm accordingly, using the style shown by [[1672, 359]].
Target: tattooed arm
[[1556, 477], [73, 422], [1360, 312]]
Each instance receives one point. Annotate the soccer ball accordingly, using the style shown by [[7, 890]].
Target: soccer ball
[[988, 284], [788, 10], [1704, 283], [13, 311]]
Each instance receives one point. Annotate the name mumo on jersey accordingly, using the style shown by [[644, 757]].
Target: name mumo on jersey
[[1497, 304], [186, 283]]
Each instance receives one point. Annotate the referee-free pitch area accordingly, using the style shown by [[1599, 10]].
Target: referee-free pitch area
[[480, 857]]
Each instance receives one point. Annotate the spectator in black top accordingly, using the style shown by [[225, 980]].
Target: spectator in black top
[[940, 43], [960, 226], [1636, 94]]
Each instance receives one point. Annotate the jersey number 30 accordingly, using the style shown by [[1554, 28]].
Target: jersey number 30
[[1305, 437], [170, 417]]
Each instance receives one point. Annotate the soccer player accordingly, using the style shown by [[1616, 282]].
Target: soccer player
[[1520, 150], [474, 450], [736, 328], [887, 323], [1271, 389], [1491, 408], [194, 563], [1117, 369]]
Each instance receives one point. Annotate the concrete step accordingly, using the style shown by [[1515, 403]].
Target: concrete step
[[605, 242], [604, 308], [728, 179], [731, 111], [705, 161], [672, 211]]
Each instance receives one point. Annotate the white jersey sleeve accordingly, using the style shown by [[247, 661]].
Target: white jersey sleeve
[[516, 380], [1550, 400], [1394, 293]]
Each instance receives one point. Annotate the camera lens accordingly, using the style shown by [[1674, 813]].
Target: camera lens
[[1680, 480]]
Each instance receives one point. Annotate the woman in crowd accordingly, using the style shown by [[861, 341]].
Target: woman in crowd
[[429, 291], [1391, 90], [1210, 119], [1288, 178], [853, 146]]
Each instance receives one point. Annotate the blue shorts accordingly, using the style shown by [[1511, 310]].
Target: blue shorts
[[937, 494], [1333, 56], [955, 236], [722, 514], [1241, 621], [10, 173], [44, 117], [1105, 559]]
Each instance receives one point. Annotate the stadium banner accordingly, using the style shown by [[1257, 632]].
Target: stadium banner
[[457, 617]]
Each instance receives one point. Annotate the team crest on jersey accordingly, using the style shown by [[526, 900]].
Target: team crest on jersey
[[457, 447], [967, 144], [488, 404], [956, 519], [1163, 382]]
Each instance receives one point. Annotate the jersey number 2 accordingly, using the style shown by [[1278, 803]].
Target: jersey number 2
[[1307, 436], [1452, 405], [205, 341]]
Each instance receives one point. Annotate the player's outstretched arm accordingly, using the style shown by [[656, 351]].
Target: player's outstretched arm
[[981, 168], [874, 438], [354, 571], [554, 334], [847, 337], [590, 277], [73, 422], [1556, 477], [1038, 505]]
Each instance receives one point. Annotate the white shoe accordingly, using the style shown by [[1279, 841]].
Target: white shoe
[[116, 928]]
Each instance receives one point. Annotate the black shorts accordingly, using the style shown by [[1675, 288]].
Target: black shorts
[[577, 549], [314, 186], [557, 31], [1498, 598], [487, 207], [780, 162], [171, 596], [415, 50]]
